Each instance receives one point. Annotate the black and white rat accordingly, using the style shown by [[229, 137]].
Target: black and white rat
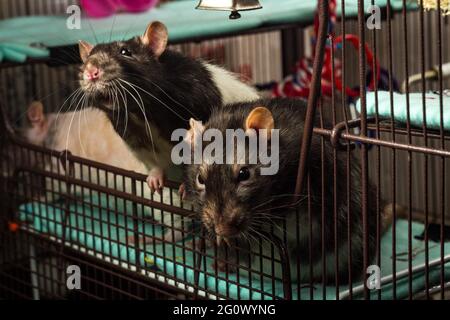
[[236, 202], [148, 91]]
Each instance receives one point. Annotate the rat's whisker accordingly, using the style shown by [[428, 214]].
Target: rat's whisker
[[132, 86], [92, 30], [303, 198], [71, 97], [112, 27], [264, 217], [84, 109], [147, 125], [123, 97], [163, 91], [140, 104], [138, 19], [262, 204], [125, 101], [261, 224], [253, 230], [70, 124], [273, 198], [157, 99], [42, 98], [116, 104], [250, 236], [83, 151], [76, 93], [111, 97]]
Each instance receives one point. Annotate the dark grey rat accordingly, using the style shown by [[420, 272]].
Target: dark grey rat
[[236, 202], [149, 91]]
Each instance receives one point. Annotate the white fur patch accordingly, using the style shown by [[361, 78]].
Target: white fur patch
[[230, 87]]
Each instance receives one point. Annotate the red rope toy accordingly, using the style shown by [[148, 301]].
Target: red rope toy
[[298, 83]]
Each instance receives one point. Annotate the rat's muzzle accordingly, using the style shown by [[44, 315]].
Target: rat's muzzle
[[92, 72], [225, 232]]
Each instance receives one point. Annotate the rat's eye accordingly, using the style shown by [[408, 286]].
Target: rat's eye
[[200, 181], [244, 174], [125, 52]]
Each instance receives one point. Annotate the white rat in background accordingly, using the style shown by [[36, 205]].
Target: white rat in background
[[89, 134]]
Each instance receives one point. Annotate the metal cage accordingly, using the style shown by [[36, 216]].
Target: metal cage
[[78, 212]]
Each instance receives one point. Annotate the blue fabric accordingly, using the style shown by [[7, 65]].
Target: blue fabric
[[90, 225], [432, 106], [20, 52], [182, 20]]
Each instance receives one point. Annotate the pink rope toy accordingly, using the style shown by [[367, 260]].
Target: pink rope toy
[[105, 8]]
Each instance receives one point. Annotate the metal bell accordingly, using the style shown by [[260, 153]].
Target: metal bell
[[229, 5]]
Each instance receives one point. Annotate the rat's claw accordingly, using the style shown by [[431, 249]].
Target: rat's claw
[[155, 180], [142, 240], [173, 236], [168, 237], [222, 266], [182, 191]]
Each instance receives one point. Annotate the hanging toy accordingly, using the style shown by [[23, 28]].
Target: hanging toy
[[298, 83], [105, 8], [433, 5]]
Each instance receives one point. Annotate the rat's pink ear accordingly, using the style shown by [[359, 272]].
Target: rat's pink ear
[[260, 118], [35, 113], [195, 131], [85, 49], [156, 37]]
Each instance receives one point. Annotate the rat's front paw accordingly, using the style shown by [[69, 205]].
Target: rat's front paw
[[222, 266], [155, 180], [182, 191], [142, 240]]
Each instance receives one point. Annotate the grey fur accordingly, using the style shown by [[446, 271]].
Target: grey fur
[[227, 202]]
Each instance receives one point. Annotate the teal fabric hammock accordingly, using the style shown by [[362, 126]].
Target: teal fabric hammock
[[94, 227], [18, 36], [416, 114]]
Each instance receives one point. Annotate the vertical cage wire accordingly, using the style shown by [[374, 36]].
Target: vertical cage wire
[[389, 159]]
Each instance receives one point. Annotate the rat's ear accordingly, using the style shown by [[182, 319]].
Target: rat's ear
[[260, 118], [85, 49], [35, 113], [156, 37], [195, 131]]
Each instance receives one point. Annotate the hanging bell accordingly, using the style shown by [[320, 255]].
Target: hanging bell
[[229, 5]]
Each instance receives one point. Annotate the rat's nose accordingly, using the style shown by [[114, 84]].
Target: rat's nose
[[226, 230], [91, 72]]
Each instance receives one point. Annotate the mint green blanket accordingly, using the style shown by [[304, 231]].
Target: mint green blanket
[[181, 18], [86, 230], [432, 106]]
